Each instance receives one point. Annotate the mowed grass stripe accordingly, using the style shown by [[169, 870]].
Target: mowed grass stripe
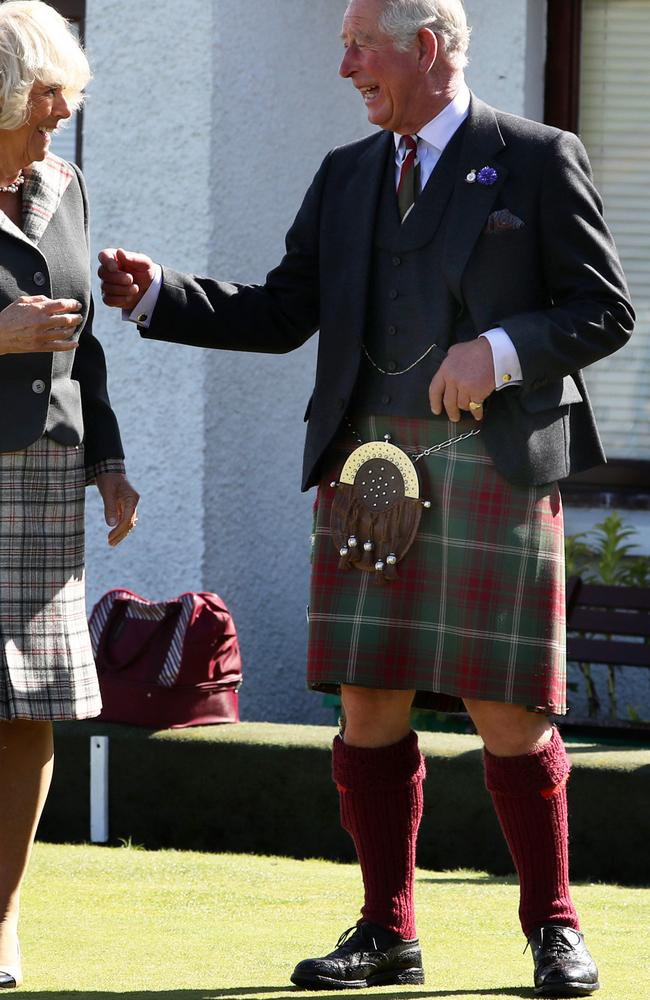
[[105, 922]]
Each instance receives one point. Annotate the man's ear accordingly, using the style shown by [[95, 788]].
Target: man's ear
[[427, 42]]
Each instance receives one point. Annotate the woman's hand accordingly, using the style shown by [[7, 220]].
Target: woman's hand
[[126, 276], [120, 504], [34, 324]]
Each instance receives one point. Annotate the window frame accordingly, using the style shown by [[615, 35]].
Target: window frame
[[622, 482], [75, 10]]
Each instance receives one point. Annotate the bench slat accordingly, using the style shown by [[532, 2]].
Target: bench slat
[[619, 622], [595, 595], [630, 654]]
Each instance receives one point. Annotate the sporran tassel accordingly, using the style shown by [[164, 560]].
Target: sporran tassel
[[368, 558]]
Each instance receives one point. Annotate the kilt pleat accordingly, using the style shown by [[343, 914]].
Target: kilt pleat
[[478, 608], [46, 663]]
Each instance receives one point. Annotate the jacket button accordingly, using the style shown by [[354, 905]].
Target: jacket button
[[38, 385], [397, 261], [385, 399], [392, 330], [39, 278], [392, 294]]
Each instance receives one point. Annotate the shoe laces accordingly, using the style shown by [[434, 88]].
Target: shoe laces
[[554, 942], [355, 937]]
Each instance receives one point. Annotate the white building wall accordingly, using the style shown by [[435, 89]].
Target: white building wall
[[507, 54], [147, 162], [204, 126], [278, 107]]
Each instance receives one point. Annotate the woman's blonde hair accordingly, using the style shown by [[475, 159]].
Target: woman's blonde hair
[[36, 44]]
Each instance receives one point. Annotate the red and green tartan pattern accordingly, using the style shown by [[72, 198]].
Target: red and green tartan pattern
[[478, 608]]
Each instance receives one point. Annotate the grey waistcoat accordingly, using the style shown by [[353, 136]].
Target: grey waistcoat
[[410, 305]]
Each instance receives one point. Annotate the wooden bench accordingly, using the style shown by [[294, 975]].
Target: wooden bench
[[611, 626]]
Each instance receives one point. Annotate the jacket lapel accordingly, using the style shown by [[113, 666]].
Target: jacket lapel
[[45, 185], [8, 227], [355, 229], [471, 203]]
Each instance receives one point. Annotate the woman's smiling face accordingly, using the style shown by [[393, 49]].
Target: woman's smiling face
[[47, 107]]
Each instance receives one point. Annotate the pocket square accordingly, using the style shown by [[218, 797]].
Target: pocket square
[[503, 221]]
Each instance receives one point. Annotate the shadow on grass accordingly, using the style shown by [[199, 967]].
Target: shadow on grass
[[278, 992], [609, 748], [476, 879]]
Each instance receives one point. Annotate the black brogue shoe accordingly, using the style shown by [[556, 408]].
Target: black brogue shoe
[[563, 965], [365, 955]]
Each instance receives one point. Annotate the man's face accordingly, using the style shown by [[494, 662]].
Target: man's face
[[388, 80]]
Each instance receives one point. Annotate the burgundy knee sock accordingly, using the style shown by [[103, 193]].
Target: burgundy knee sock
[[380, 792], [529, 795]]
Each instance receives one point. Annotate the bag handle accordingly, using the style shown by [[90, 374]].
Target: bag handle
[[116, 616]]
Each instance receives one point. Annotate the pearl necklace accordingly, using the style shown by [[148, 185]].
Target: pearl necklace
[[14, 186]]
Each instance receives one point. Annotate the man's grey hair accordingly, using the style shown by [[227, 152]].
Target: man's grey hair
[[402, 19]]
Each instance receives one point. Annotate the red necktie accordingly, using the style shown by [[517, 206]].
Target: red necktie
[[408, 176]]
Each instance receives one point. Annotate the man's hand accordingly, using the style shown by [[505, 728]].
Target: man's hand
[[465, 376], [126, 276], [120, 504]]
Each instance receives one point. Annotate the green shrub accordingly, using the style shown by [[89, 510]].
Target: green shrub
[[604, 555]]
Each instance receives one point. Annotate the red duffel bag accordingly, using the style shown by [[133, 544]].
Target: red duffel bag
[[166, 664]]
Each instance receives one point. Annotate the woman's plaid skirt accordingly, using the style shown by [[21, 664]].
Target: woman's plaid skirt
[[478, 608], [46, 663]]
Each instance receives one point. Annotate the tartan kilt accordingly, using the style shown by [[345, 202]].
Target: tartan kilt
[[47, 669], [478, 607]]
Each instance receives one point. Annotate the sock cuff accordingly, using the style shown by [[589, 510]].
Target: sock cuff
[[540, 771], [393, 766]]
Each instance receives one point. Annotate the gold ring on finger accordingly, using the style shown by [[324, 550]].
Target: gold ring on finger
[[474, 406]]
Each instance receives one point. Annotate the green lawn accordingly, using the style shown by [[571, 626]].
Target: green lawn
[[103, 922]]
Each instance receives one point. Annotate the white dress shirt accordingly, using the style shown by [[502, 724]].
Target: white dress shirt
[[141, 314]]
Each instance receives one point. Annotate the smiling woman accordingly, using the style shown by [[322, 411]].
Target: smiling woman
[[44, 72], [44, 50], [19, 147], [57, 433]]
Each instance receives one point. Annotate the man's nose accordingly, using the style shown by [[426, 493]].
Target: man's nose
[[347, 64]]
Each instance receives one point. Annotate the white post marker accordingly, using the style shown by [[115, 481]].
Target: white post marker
[[98, 789]]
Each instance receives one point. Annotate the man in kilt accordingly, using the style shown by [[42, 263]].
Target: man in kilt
[[458, 267]]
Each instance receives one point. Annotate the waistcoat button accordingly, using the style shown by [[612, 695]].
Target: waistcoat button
[[391, 366], [397, 261], [39, 278], [392, 330], [385, 398], [38, 385], [392, 294]]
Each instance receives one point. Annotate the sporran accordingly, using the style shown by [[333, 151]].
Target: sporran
[[377, 508]]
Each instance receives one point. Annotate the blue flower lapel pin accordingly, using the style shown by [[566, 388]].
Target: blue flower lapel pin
[[487, 176]]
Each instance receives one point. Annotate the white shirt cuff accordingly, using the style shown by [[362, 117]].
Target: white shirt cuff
[[507, 370], [141, 314]]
